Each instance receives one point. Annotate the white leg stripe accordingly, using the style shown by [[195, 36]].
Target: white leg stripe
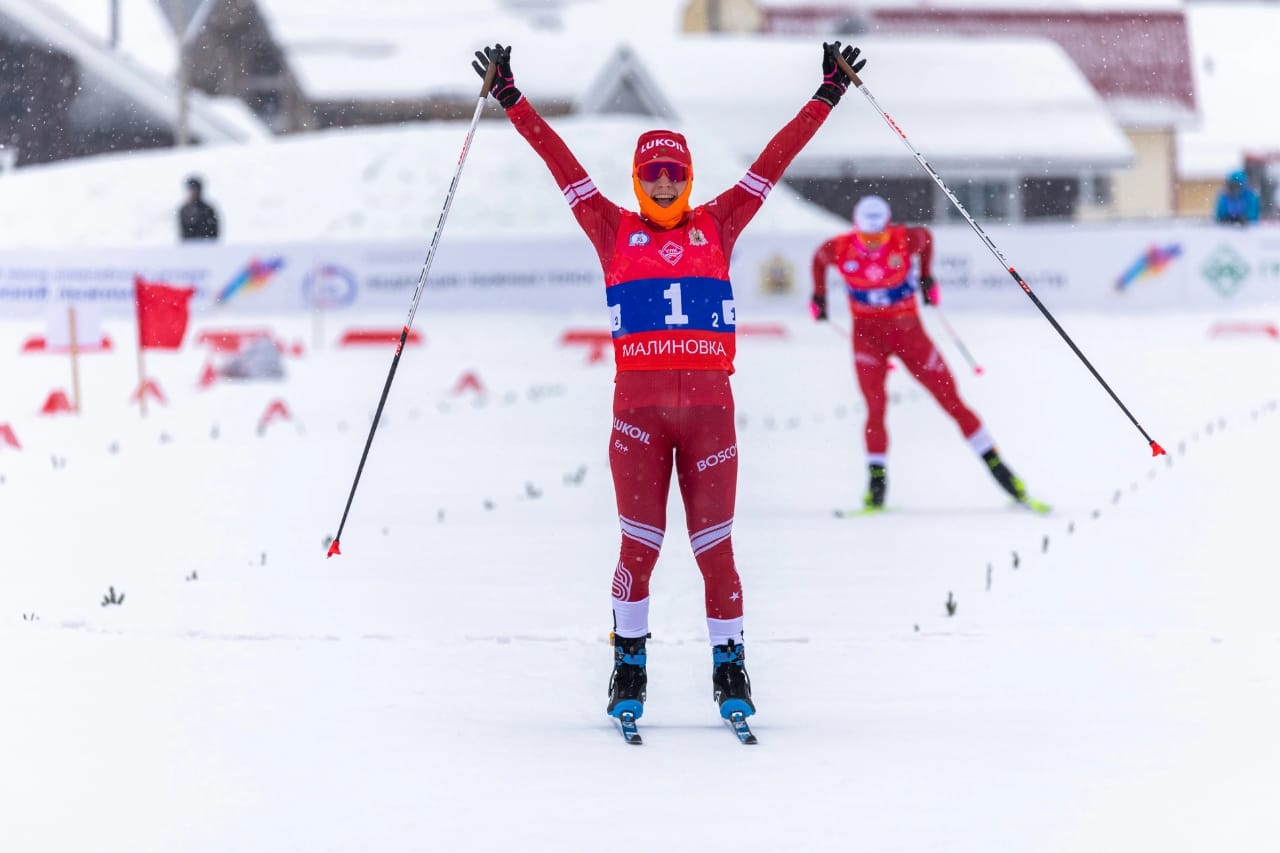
[[711, 537], [647, 534]]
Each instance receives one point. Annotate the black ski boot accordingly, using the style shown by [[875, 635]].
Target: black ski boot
[[629, 679], [729, 681], [1004, 476], [877, 485]]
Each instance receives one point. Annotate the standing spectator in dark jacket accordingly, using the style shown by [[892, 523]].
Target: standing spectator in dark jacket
[[197, 220]]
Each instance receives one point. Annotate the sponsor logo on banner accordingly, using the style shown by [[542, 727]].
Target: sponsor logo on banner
[[1150, 264], [254, 276], [638, 238], [329, 286], [1225, 270], [671, 252]]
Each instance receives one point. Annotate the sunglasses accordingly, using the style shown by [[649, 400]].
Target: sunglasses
[[651, 171]]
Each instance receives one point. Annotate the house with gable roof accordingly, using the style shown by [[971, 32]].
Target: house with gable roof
[[997, 138], [1135, 55], [66, 92]]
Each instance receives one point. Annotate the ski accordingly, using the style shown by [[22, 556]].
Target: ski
[[860, 512], [737, 721], [627, 724], [1038, 507]]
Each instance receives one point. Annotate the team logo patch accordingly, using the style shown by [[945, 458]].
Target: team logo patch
[[850, 266], [638, 238], [895, 262], [671, 252], [696, 237]]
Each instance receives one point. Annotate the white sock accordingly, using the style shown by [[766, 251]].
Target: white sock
[[724, 631], [631, 618], [980, 441]]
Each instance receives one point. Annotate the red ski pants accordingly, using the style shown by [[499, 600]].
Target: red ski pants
[[875, 338], [683, 421]]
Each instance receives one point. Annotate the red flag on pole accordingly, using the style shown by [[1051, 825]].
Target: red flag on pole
[[163, 311]]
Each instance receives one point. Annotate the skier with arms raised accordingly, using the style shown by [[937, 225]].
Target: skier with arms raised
[[671, 307]]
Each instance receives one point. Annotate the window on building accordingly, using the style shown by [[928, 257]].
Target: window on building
[[1050, 198], [985, 199], [910, 199], [1102, 190]]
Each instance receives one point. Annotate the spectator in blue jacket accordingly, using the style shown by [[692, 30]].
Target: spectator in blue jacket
[[1237, 201]]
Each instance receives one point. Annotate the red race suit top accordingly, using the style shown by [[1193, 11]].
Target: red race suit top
[[670, 299], [880, 281]]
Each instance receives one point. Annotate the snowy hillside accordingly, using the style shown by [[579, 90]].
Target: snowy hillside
[[368, 184]]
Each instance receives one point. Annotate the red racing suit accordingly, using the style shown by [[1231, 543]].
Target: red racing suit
[[672, 315], [881, 283]]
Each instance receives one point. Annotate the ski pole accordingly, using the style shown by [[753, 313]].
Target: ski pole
[[977, 368], [417, 297], [1156, 449]]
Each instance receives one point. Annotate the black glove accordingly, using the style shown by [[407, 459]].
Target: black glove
[[818, 306], [929, 290], [834, 81], [504, 84]]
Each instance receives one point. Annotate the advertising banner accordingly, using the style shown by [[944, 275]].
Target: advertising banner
[[1069, 266]]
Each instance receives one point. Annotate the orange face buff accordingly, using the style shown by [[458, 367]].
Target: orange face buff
[[658, 151]]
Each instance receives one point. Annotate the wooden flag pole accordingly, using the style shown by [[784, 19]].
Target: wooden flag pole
[[75, 360], [142, 382]]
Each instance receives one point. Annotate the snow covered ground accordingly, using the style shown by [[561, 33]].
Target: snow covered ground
[[1108, 680]]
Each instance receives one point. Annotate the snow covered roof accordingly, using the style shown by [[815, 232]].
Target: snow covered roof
[[1236, 76], [977, 104], [144, 36], [370, 184], [1137, 59], [408, 48], [113, 85]]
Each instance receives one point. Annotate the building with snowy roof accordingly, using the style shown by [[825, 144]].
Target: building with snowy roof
[[1000, 135], [996, 138], [66, 90], [1134, 53]]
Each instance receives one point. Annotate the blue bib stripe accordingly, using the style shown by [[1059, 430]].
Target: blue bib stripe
[[673, 304], [881, 295]]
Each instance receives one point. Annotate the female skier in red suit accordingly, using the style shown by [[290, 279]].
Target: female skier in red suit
[[875, 261], [671, 307]]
